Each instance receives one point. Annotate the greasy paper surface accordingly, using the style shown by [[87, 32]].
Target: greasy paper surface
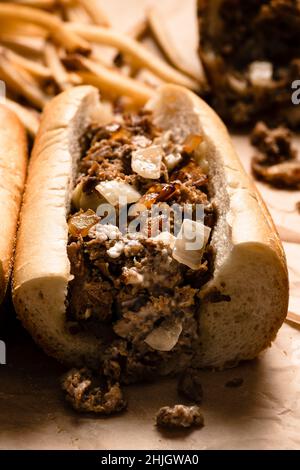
[[264, 413]]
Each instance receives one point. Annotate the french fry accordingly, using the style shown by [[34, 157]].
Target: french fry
[[103, 55], [28, 117], [138, 30], [177, 56], [293, 317], [75, 79], [111, 81], [139, 55], [19, 82], [95, 11], [22, 28], [47, 4], [70, 40], [76, 13], [33, 47], [58, 71], [34, 68]]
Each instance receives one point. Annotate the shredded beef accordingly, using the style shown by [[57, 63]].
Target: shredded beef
[[127, 285], [274, 145], [284, 175], [179, 416]]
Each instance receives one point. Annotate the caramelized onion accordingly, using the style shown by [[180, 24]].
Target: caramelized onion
[[192, 142], [81, 223], [191, 173], [159, 193], [121, 134]]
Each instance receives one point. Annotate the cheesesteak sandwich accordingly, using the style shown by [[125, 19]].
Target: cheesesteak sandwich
[[137, 304], [251, 53], [13, 163]]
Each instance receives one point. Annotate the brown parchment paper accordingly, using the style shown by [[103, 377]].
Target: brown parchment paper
[[264, 413]]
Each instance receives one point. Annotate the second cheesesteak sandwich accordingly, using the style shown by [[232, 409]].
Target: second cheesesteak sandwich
[[251, 54], [150, 297]]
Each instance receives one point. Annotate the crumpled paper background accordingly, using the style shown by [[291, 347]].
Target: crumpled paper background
[[264, 413]]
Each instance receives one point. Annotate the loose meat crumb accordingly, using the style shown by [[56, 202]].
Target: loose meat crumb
[[275, 162], [180, 416], [274, 145], [86, 394], [189, 385], [284, 175]]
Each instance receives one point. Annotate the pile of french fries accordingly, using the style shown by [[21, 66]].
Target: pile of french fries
[[47, 46]]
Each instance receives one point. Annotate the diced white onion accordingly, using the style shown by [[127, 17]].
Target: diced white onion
[[172, 160], [166, 336], [166, 237], [114, 191], [190, 243], [260, 73], [146, 162], [85, 201]]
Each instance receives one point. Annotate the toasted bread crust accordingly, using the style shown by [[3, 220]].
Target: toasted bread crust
[[13, 162], [42, 268]]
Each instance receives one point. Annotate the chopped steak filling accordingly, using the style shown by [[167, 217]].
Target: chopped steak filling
[[129, 289], [179, 416], [276, 160], [252, 81]]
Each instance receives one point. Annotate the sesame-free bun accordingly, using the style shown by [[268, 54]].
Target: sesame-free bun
[[250, 265]]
